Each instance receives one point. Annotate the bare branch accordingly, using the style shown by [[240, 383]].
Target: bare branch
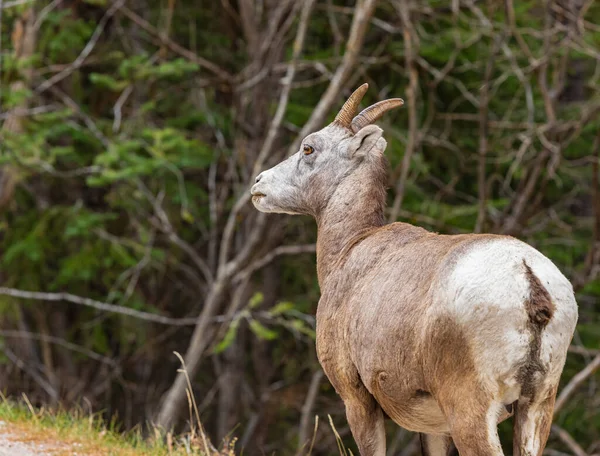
[[118, 106], [175, 396], [273, 130], [568, 440], [362, 16], [248, 20], [67, 100], [199, 340], [85, 52], [1, 53], [338, 38], [174, 47], [309, 403], [588, 352], [278, 251], [167, 228], [410, 44], [61, 342], [7, 5], [24, 112], [575, 382], [483, 137], [47, 387], [592, 256], [285, 89], [357, 32], [524, 196], [45, 11], [24, 40], [99, 305]]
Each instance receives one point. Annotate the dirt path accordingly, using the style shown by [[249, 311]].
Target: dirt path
[[8, 447], [13, 443]]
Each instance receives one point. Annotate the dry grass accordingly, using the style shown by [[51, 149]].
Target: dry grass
[[75, 432], [71, 432]]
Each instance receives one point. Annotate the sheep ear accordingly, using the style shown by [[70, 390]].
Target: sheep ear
[[365, 140]]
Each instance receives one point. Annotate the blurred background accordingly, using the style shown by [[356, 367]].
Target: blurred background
[[130, 132]]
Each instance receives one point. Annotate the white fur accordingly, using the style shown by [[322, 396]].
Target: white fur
[[487, 291], [531, 441], [492, 428]]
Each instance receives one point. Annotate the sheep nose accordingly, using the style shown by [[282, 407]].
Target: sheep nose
[[258, 178]]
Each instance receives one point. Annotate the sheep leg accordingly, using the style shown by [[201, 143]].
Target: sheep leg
[[437, 445], [366, 422], [533, 420], [473, 418]]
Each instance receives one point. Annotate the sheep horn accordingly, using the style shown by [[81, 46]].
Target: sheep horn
[[370, 115], [344, 117]]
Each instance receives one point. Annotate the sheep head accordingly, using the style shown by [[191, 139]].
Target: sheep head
[[304, 183]]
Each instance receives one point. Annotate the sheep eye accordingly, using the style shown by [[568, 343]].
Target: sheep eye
[[308, 149]]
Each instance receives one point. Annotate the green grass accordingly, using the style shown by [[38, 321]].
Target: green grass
[[72, 431], [65, 432]]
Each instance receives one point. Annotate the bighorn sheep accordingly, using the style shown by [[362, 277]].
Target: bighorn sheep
[[446, 335]]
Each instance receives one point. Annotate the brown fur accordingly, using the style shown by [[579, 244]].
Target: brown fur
[[353, 247], [543, 422], [539, 305], [427, 444], [388, 337], [456, 387], [540, 310]]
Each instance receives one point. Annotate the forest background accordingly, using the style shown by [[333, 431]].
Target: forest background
[[130, 132]]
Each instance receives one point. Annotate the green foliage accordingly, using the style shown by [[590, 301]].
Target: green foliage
[[229, 336], [89, 433], [63, 36], [283, 314], [139, 140], [155, 151], [261, 331], [105, 81], [256, 300]]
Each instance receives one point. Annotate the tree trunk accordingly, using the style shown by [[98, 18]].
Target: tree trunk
[[175, 397], [23, 38]]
